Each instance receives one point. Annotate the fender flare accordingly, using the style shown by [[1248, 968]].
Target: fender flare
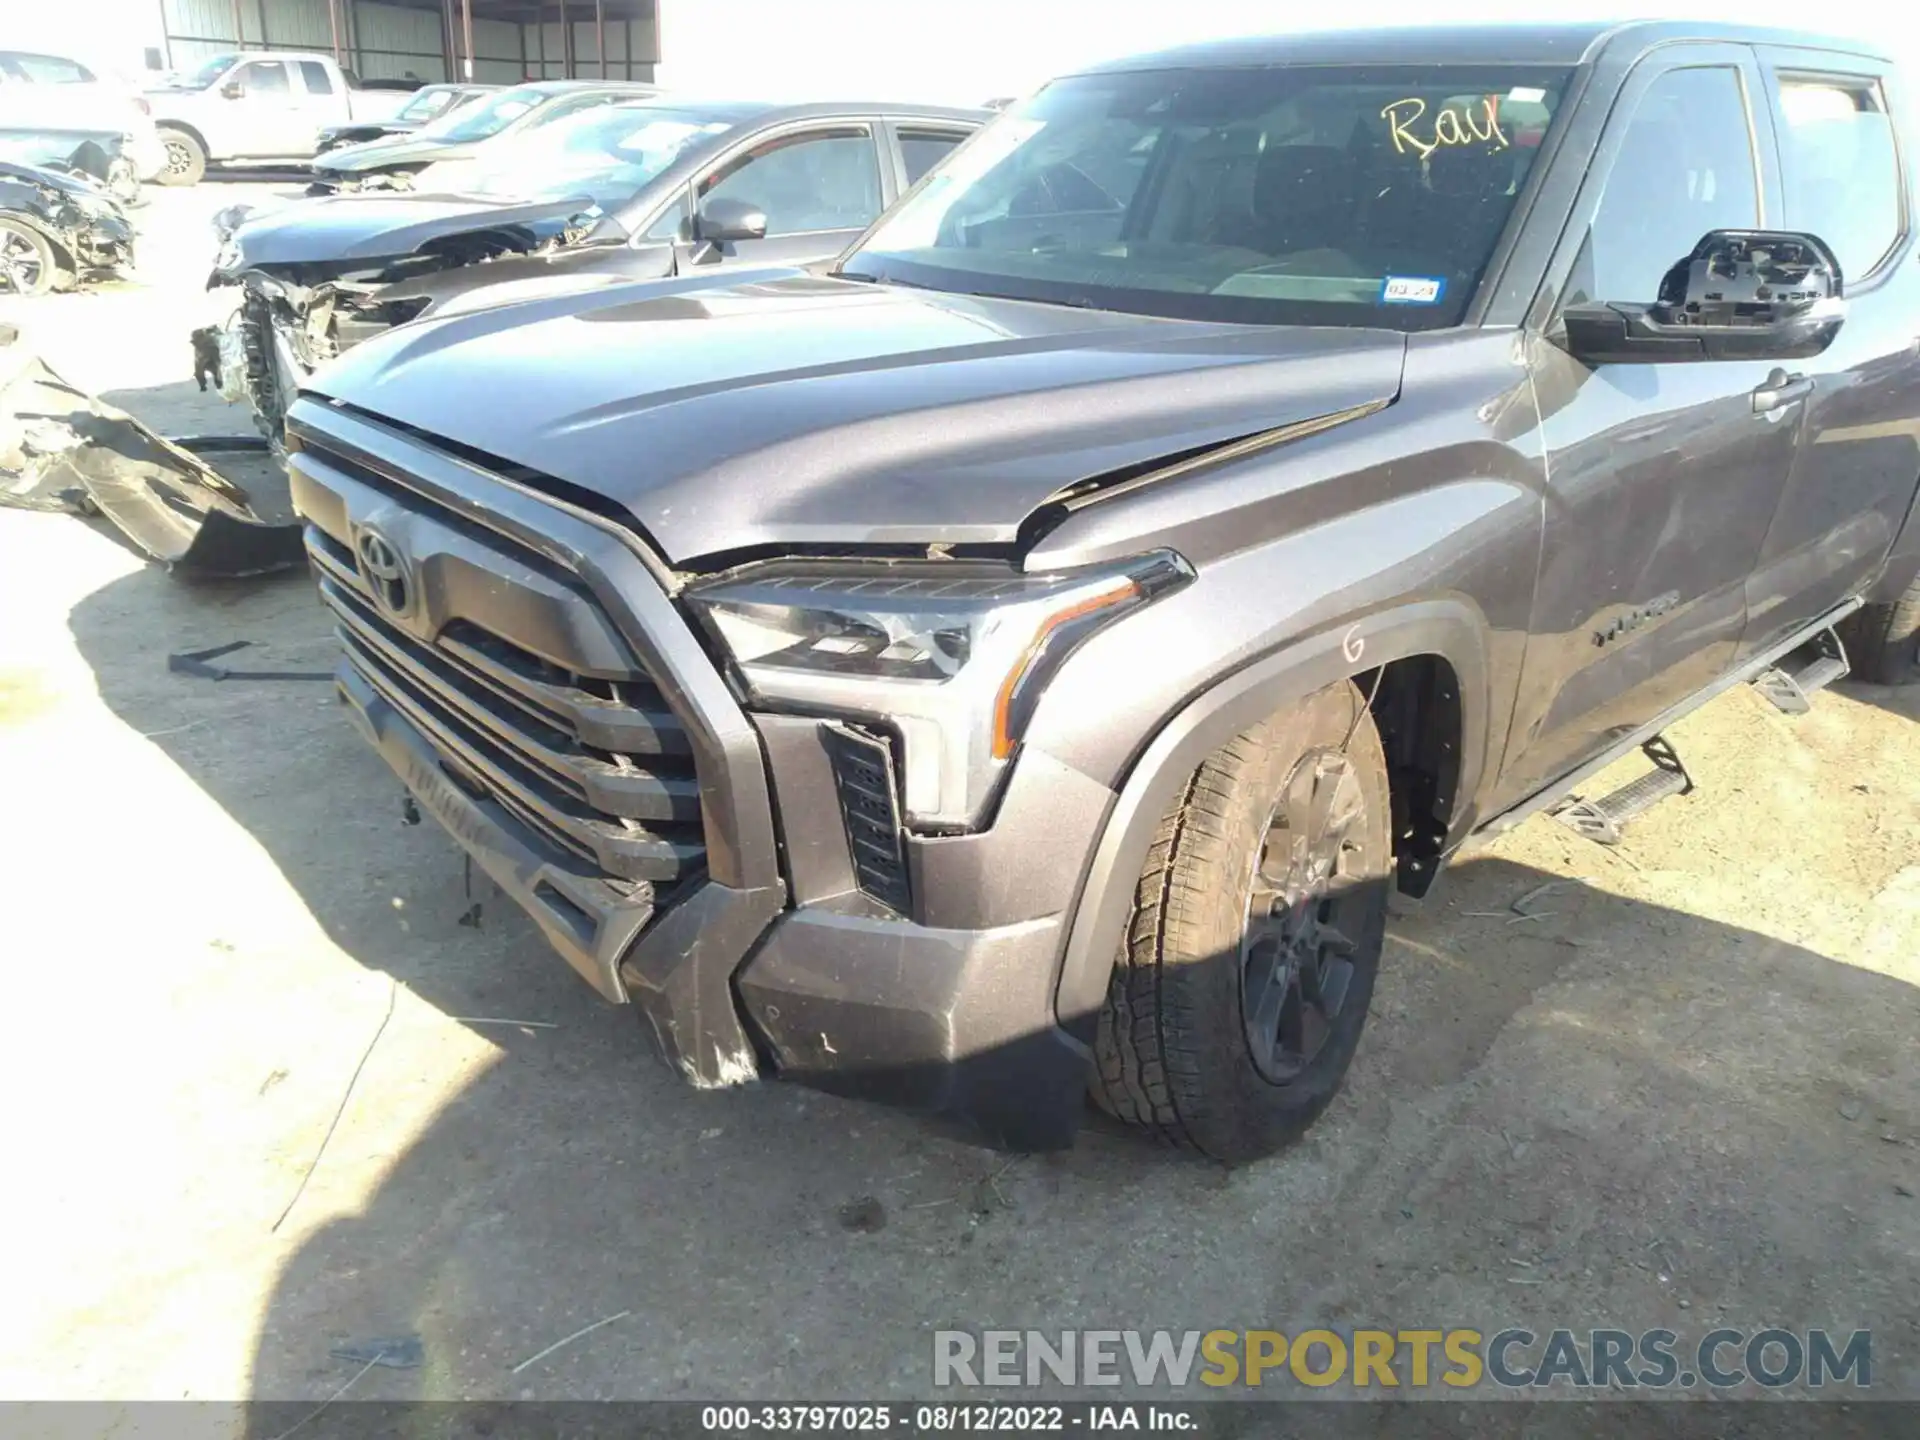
[[1450, 627]]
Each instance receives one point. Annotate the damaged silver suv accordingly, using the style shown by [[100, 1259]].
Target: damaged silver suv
[[1021, 660]]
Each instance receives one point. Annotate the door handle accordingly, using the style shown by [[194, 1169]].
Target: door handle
[[1779, 390]]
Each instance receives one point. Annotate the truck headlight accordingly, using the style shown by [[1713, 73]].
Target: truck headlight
[[950, 654]]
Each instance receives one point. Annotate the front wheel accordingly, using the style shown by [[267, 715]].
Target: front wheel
[[28, 265], [1238, 998], [186, 159]]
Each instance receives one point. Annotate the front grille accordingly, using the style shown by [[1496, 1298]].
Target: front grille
[[590, 765]]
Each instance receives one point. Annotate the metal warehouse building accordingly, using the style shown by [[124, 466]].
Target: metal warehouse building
[[489, 40]]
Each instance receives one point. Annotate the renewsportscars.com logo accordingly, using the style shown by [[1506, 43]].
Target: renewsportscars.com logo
[[1412, 1360]]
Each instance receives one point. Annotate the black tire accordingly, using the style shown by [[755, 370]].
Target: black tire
[[29, 265], [186, 158], [1883, 641], [1176, 1050]]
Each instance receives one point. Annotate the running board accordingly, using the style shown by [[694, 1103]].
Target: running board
[[1756, 664], [1791, 691], [1603, 820]]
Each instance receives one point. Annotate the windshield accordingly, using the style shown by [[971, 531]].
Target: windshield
[[605, 154], [489, 117], [427, 104], [207, 73], [1323, 195]]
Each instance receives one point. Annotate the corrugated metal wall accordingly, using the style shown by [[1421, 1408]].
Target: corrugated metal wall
[[626, 40], [388, 42]]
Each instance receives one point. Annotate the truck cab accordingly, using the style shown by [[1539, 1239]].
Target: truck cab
[[259, 105]]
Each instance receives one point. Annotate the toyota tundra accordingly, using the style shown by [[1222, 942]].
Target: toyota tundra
[[1020, 658]]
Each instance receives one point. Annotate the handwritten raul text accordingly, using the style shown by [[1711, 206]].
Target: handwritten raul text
[[1479, 125]]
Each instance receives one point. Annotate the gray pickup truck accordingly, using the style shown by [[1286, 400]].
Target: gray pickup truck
[[1021, 659]]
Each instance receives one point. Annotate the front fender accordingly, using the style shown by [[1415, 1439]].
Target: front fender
[[1449, 626]]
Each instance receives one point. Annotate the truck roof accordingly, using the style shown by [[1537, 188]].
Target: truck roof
[[1557, 43]]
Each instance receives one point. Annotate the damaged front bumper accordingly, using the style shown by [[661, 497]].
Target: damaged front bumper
[[282, 332], [62, 449], [501, 652], [104, 243]]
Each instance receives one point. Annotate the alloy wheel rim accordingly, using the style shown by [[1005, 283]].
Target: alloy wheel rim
[[178, 161], [19, 262], [1297, 952]]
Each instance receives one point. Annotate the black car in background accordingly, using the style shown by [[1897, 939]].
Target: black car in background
[[430, 103], [393, 161], [98, 155], [637, 190], [57, 229]]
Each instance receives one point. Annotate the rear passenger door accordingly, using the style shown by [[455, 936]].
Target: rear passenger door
[[319, 100], [819, 186], [1662, 479], [1847, 176]]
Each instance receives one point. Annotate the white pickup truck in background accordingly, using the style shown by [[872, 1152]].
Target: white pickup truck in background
[[260, 105]]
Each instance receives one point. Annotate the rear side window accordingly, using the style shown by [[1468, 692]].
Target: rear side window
[[1684, 167], [1840, 167], [315, 75], [924, 149]]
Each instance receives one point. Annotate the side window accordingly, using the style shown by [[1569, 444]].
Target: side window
[[559, 110], [314, 75], [264, 77], [52, 70], [924, 149], [819, 180], [1840, 168], [1685, 166], [672, 224]]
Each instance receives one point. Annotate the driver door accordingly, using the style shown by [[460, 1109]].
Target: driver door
[[1661, 478], [268, 117]]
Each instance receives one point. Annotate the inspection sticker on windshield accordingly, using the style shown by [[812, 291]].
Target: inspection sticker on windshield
[[1411, 290]]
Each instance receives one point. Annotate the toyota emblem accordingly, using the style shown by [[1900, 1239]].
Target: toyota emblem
[[386, 572]]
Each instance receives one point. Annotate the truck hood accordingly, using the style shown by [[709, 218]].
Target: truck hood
[[804, 409], [336, 228], [389, 151]]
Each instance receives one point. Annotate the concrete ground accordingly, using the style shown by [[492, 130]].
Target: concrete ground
[[1687, 1095]]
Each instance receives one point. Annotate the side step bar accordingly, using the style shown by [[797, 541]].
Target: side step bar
[[1602, 820], [1822, 660], [1758, 664]]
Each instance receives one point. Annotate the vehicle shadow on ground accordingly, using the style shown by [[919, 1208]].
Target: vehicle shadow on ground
[[1894, 699], [1608, 1113]]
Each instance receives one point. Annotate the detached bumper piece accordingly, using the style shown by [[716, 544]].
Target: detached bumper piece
[[62, 449]]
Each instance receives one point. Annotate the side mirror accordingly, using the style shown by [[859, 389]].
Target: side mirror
[[1741, 295], [722, 220], [233, 89]]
